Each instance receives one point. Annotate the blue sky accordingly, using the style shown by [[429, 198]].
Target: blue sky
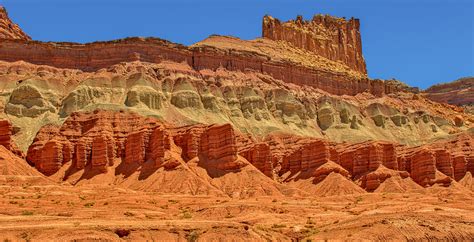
[[421, 42]]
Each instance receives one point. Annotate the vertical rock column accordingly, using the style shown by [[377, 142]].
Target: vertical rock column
[[218, 145], [444, 162], [159, 142], [51, 158], [102, 152], [5, 133], [423, 167], [260, 156], [460, 167]]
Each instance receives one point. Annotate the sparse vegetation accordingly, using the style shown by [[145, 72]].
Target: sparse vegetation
[[192, 236], [129, 214], [278, 226], [187, 215], [89, 205], [27, 213]]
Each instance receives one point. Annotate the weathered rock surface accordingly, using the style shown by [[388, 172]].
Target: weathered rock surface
[[459, 92], [93, 139], [333, 63], [9, 30], [330, 37], [293, 107], [6, 133]]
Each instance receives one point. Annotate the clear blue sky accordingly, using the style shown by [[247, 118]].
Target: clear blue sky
[[421, 42]]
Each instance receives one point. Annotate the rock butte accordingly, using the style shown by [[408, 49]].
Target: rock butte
[[291, 114]]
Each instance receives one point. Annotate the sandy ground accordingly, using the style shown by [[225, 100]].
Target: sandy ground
[[92, 212]]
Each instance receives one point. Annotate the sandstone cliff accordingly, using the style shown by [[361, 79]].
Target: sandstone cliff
[[9, 30], [333, 38], [95, 141], [335, 65], [459, 92]]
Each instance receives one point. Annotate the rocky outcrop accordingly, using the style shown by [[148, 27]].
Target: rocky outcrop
[[459, 92], [334, 38], [94, 139], [98, 139], [307, 157], [218, 147], [366, 157], [6, 133], [422, 167], [9, 30], [372, 180], [371, 163], [260, 156], [336, 65]]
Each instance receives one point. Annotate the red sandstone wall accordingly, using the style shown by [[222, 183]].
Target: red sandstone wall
[[91, 57], [333, 38], [9, 30]]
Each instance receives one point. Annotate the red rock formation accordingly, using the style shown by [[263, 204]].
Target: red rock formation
[[82, 153], [372, 180], [9, 30], [102, 152], [6, 132], [459, 92], [261, 157], [218, 147], [330, 37], [306, 157], [364, 157], [460, 167], [373, 162], [135, 147], [158, 143], [443, 162], [51, 157], [422, 167], [389, 159], [97, 55], [327, 168], [94, 139], [188, 139]]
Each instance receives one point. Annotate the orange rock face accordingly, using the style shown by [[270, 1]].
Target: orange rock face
[[374, 162], [306, 157], [96, 139], [9, 30], [6, 132], [459, 92], [332, 38], [218, 146], [92, 139], [261, 157], [341, 47]]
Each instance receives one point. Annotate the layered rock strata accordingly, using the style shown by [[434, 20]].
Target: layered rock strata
[[9, 30], [459, 92], [334, 38], [6, 133], [321, 67]]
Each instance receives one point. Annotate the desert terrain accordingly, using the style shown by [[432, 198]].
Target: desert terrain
[[280, 138]]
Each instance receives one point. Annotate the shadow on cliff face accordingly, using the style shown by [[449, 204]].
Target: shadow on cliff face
[[145, 170], [219, 168], [88, 172]]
